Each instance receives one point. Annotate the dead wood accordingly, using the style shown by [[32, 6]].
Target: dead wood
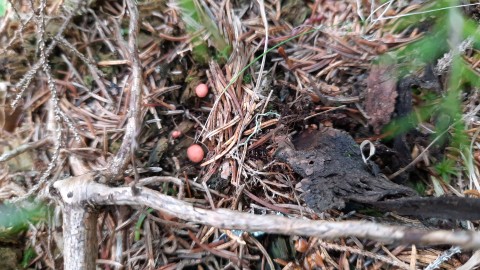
[[334, 173], [440, 207], [80, 236], [82, 190], [134, 113]]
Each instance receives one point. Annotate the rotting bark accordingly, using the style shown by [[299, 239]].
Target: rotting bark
[[439, 207], [155, 87], [403, 108], [334, 172]]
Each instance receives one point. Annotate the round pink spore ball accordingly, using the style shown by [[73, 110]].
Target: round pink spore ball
[[176, 134], [201, 90], [195, 153]]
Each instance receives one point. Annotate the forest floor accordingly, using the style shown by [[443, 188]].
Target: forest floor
[[319, 110]]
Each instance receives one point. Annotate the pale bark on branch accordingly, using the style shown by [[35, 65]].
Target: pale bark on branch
[[82, 190], [80, 237], [134, 114], [79, 222]]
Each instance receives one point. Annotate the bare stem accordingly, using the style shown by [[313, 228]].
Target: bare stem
[[129, 142], [82, 190]]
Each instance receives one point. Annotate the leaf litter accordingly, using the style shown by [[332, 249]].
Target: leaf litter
[[311, 89]]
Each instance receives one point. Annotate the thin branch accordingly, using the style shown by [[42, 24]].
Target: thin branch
[[83, 191], [59, 114], [27, 77], [129, 142], [24, 148]]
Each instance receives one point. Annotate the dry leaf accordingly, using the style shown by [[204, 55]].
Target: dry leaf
[[381, 95]]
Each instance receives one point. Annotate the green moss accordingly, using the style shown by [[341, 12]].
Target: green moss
[[445, 169]]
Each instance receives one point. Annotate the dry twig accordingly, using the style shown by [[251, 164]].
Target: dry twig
[[134, 114], [83, 190]]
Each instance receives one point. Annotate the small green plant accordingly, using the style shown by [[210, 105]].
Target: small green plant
[[15, 219], [445, 169], [28, 256], [420, 187], [196, 21], [3, 7], [445, 110], [247, 78], [139, 224]]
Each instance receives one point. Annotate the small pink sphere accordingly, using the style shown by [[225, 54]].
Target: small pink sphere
[[201, 90], [195, 153], [176, 134]]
